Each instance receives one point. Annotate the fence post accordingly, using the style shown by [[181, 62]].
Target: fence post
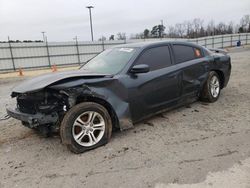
[[205, 41], [231, 40], [213, 42], [11, 55], [222, 41], [246, 38], [47, 48], [103, 48], [77, 51]]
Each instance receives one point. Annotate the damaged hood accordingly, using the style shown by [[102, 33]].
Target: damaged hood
[[45, 80]]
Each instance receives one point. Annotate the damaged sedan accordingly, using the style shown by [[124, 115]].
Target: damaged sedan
[[119, 87]]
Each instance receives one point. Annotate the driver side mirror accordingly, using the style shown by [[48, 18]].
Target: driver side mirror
[[142, 68]]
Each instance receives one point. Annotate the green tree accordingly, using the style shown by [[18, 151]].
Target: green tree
[[241, 30], [146, 33], [112, 37], [158, 30]]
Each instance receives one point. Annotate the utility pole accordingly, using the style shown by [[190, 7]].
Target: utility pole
[[47, 48], [43, 33], [90, 19], [161, 29]]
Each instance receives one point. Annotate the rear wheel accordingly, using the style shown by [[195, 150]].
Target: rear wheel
[[211, 88], [86, 126]]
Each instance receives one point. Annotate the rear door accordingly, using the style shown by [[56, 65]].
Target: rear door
[[194, 67], [152, 91]]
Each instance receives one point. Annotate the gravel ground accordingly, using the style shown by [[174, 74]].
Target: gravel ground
[[200, 145]]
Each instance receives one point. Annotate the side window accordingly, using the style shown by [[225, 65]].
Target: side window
[[186, 53], [155, 58]]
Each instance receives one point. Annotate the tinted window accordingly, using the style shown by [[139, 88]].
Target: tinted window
[[185, 53], [110, 61], [155, 58]]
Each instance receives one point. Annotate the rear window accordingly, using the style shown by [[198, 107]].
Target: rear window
[[186, 53]]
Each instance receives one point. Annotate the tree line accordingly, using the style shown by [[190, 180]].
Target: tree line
[[18, 41], [189, 29]]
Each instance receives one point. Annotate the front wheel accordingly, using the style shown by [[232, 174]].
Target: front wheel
[[86, 126], [211, 88]]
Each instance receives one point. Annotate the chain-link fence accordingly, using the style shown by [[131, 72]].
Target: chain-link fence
[[41, 55]]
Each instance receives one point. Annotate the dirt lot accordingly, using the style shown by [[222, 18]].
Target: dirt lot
[[200, 145]]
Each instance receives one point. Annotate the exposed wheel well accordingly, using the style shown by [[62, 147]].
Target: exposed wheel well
[[221, 77], [115, 121]]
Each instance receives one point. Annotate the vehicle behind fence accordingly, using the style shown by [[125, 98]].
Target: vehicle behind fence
[[41, 55]]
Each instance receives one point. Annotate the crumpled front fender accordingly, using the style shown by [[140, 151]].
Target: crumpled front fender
[[118, 104]]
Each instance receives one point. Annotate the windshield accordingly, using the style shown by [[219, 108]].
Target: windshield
[[110, 61]]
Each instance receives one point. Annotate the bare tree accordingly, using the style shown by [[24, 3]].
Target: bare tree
[[197, 28], [121, 36], [221, 28], [103, 38], [230, 28], [245, 23], [211, 28], [172, 32], [198, 23], [236, 28], [189, 28], [180, 29], [137, 36]]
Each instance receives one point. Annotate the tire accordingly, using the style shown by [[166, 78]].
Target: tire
[[211, 89], [82, 127]]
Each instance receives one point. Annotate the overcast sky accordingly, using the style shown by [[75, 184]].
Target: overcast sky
[[64, 19]]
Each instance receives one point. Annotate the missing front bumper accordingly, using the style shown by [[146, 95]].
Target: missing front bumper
[[33, 120]]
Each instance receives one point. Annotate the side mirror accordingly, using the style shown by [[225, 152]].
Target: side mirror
[[142, 68]]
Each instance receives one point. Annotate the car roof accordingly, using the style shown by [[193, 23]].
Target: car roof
[[155, 43]]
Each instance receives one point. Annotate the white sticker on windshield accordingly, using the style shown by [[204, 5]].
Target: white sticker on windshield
[[126, 49]]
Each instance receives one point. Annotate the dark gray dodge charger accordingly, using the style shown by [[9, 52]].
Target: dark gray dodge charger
[[119, 87]]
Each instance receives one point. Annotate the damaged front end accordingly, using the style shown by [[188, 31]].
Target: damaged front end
[[43, 101], [43, 107], [46, 108]]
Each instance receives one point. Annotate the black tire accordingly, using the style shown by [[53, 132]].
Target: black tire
[[206, 93], [66, 131]]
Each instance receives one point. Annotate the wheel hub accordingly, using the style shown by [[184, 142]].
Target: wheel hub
[[88, 128], [214, 86]]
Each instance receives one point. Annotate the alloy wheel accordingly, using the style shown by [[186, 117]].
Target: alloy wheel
[[215, 86], [88, 128]]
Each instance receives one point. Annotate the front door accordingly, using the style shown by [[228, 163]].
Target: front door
[[160, 87]]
